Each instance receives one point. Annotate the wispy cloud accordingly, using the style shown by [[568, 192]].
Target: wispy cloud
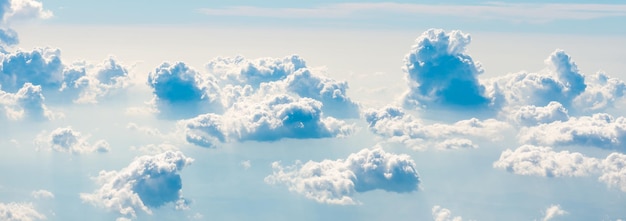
[[522, 12]]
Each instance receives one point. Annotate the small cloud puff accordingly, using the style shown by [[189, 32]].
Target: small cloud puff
[[543, 161], [553, 211], [335, 182], [22, 10], [42, 194], [393, 124], [269, 118], [65, 139], [148, 182], [19, 212], [599, 130], [242, 71], [443, 214], [439, 72]]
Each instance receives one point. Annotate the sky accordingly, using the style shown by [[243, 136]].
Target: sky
[[312, 110]]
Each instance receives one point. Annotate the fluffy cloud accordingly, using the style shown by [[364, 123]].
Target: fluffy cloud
[[532, 115], [270, 118], [179, 89], [65, 139], [42, 194], [91, 83], [148, 182], [22, 9], [561, 82], [19, 212], [26, 103], [439, 71], [543, 161], [443, 214], [335, 182], [330, 92], [395, 125], [553, 211], [614, 171], [41, 66], [242, 71], [600, 130]]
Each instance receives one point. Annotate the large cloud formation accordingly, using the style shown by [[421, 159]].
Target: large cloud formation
[[26, 103], [19, 212], [270, 118], [561, 82], [531, 115], [543, 161], [336, 181], [599, 130], [290, 74], [148, 182], [393, 124], [439, 71], [65, 139]]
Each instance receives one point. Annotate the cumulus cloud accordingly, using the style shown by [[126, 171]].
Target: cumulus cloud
[[42, 194], [561, 82], [600, 130], [240, 77], [22, 10], [19, 212], [148, 182], [241, 71], [88, 83], [270, 118], [41, 66], [393, 124], [330, 92], [553, 211], [543, 161], [440, 72], [181, 90], [531, 115], [336, 181], [443, 214], [65, 139], [26, 103]]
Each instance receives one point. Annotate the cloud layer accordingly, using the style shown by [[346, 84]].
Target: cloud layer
[[19, 212], [148, 182], [335, 182]]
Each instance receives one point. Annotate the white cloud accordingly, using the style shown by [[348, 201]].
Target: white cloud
[[600, 130], [530, 115], [393, 124], [243, 77], [336, 181], [26, 103], [19, 212], [553, 211], [602, 91], [148, 182], [514, 12], [614, 171], [443, 214], [543, 161], [181, 91], [22, 10], [439, 72], [246, 164], [65, 139], [270, 118], [42, 194]]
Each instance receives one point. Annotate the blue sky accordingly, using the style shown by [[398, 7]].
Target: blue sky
[[312, 110]]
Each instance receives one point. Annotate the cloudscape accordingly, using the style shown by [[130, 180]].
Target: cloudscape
[[312, 110]]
